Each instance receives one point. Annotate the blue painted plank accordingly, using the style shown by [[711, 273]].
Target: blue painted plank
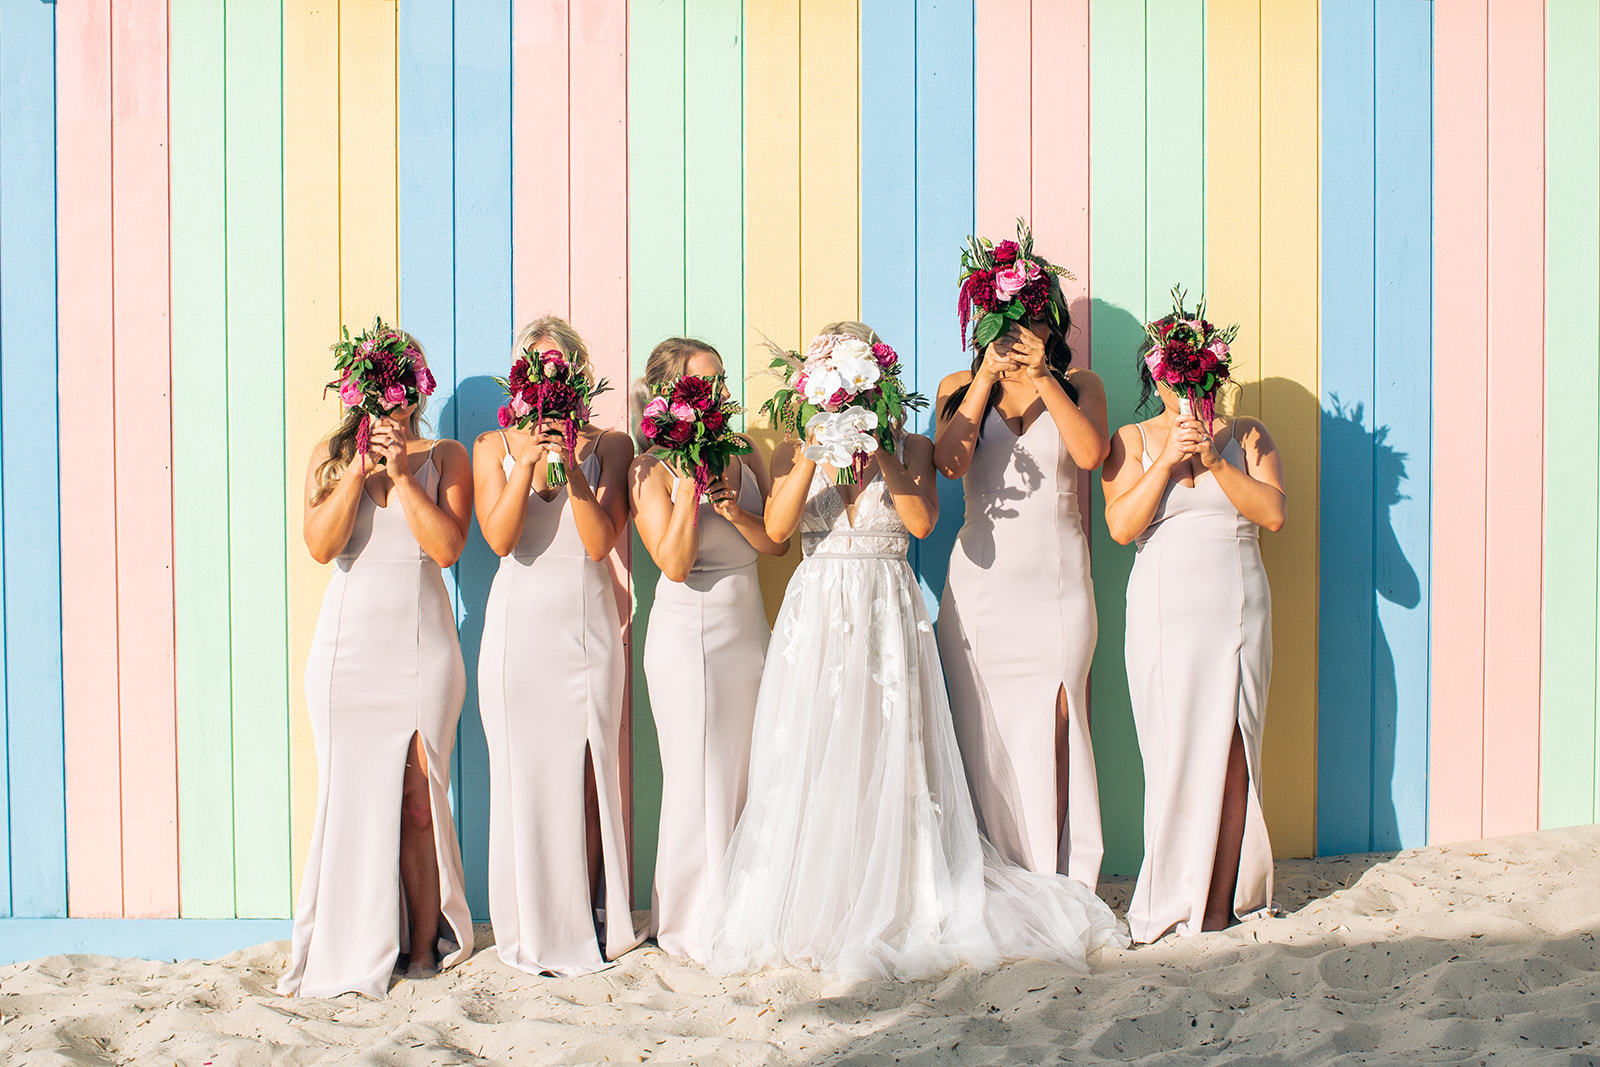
[[483, 336], [148, 939], [1403, 423], [1347, 614], [945, 149], [33, 870], [889, 179]]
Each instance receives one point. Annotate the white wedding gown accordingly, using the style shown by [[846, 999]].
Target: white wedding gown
[[858, 852]]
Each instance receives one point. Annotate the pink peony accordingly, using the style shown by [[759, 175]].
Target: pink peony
[[885, 355], [394, 395], [656, 408], [425, 383], [823, 344], [506, 418], [520, 407], [350, 394], [683, 413]]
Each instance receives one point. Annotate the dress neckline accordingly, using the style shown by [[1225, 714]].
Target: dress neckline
[[424, 465]]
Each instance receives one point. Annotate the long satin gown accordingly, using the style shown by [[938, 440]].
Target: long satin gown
[[368, 692], [1017, 626], [1199, 655], [703, 654], [858, 852], [550, 682]]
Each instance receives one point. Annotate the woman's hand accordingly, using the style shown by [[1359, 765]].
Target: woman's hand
[[1206, 447], [390, 440], [1183, 441], [724, 499], [551, 435], [1025, 350], [997, 362]]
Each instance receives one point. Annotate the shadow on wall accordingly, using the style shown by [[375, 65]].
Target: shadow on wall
[[1359, 703]]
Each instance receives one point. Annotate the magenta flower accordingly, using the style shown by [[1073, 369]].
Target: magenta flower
[[425, 383], [505, 417], [350, 394], [394, 396]]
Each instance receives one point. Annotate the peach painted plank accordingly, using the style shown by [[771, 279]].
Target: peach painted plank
[[311, 257], [1461, 295], [1003, 101], [88, 463], [1060, 153], [542, 173], [143, 376], [1515, 438]]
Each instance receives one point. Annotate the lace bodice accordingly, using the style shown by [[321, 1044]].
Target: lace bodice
[[826, 530]]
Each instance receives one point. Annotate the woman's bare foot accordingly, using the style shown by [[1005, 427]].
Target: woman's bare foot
[[422, 967]]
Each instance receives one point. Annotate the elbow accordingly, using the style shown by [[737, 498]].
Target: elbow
[[924, 524], [446, 557], [1275, 522], [1120, 533], [320, 555], [776, 548], [675, 573]]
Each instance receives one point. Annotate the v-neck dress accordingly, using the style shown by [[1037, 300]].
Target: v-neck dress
[[550, 682], [385, 663], [1199, 655], [1017, 626]]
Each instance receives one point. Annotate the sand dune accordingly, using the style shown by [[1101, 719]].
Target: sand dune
[[1470, 953]]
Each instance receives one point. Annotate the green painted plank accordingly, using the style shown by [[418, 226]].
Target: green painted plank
[[656, 299], [200, 461], [713, 128], [1118, 254], [1175, 146], [1568, 766], [256, 499]]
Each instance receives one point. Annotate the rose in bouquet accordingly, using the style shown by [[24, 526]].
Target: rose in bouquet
[[547, 385], [850, 393], [380, 371], [1189, 355], [689, 420], [1005, 283]]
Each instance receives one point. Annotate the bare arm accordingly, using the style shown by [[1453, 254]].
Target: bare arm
[[725, 498], [502, 499], [1256, 491], [1081, 424], [439, 527], [956, 438], [1133, 493], [912, 484], [666, 525], [791, 482], [601, 512], [329, 522]]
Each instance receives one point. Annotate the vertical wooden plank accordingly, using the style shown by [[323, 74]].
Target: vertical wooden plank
[[1060, 154], [257, 526], [1117, 263], [88, 516], [142, 375], [1175, 150], [1345, 741], [772, 221], [1289, 375], [1402, 425], [1003, 89], [1461, 207], [33, 877], [483, 279], [200, 461], [713, 149], [1515, 429], [1567, 779], [541, 135], [945, 155], [830, 275], [311, 250], [889, 175], [656, 303], [368, 163]]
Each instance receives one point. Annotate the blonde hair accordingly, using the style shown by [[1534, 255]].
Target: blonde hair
[[561, 332], [859, 330], [668, 360], [342, 441]]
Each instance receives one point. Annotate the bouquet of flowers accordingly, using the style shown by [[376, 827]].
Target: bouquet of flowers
[[379, 371], [849, 392], [690, 421], [548, 386], [1005, 283], [1190, 355]]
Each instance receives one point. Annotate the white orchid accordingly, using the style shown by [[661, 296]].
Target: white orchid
[[823, 381], [856, 365], [841, 436]]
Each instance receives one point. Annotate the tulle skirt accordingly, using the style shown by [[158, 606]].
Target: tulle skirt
[[858, 852]]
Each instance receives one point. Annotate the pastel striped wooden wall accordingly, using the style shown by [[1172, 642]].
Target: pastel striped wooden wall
[[192, 200]]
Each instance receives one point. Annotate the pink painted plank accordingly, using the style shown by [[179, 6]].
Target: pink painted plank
[[1516, 424], [1461, 279], [1002, 179], [541, 168], [143, 376], [88, 464]]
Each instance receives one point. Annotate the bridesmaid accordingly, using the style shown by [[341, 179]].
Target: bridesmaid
[[1017, 624], [384, 683], [1199, 654], [703, 654], [550, 686]]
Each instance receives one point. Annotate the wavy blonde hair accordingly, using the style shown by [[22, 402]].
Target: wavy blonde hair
[[342, 441], [668, 360], [561, 332]]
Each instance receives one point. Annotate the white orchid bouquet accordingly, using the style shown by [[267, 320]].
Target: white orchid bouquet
[[846, 396]]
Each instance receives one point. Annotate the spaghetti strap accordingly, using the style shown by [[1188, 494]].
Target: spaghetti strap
[[1144, 442], [505, 442]]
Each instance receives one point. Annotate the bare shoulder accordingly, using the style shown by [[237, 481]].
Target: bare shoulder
[[616, 444], [953, 381], [1084, 378], [916, 444]]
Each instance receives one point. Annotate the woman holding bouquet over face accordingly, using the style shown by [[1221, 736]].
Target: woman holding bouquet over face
[[707, 639], [552, 501], [1017, 624], [384, 683], [1193, 489], [858, 852]]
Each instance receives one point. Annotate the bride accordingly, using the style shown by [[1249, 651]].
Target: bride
[[858, 852]]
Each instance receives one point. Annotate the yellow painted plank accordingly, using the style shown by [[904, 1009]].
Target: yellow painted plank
[[311, 324], [830, 187], [369, 217]]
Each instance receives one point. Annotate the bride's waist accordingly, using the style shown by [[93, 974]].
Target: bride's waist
[[832, 544]]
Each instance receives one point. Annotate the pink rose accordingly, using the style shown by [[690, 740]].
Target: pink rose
[[425, 383], [649, 430], [553, 367], [394, 395], [1219, 349], [656, 408], [1009, 282], [506, 418], [822, 345], [520, 406], [683, 412], [350, 394]]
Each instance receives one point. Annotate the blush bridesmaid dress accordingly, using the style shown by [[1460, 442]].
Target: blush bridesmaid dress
[[1199, 655], [1017, 626], [550, 683], [703, 655], [385, 663]]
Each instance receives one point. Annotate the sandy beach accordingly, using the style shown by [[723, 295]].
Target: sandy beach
[[1468, 953]]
